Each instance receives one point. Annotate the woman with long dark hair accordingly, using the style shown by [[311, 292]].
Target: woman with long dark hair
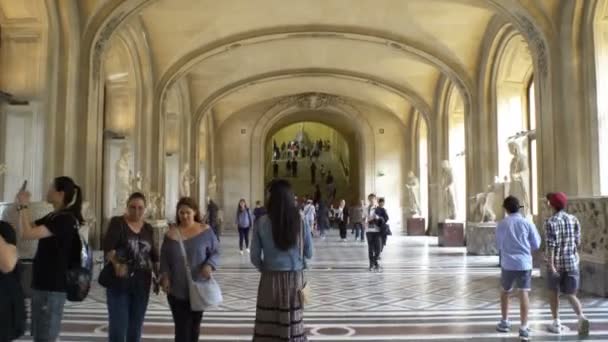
[[202, 254], [129, 247], [244, 221], [280, 244], [58, 246]]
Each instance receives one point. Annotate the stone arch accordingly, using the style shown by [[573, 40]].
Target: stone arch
[[282, 110]]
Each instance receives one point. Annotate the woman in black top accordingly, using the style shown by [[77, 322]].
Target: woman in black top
[[58, 246], [12, 308], [129, 247]]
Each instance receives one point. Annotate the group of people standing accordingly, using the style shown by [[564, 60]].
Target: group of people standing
[[134, 267]]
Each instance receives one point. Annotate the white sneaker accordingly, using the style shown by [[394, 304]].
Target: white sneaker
[[241, 252], [555, 327], [248, 251]]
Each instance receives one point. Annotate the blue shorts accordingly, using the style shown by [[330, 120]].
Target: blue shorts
[[521, 279], [564, 282]]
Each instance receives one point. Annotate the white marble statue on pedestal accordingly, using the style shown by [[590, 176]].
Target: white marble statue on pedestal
[[212, 189], [123, 177], [447, 188], [519, 176], [185, 181], [484, 206], [412, 188], [137, 183]]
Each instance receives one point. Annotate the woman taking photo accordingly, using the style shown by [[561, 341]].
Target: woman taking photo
[[202, 254], [244, 221], [58, 245], [129, 248], [276, 252]]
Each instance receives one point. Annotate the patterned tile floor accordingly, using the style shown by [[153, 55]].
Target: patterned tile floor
[[423, 293]]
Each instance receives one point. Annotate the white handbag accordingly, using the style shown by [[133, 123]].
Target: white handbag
[[203, 294]]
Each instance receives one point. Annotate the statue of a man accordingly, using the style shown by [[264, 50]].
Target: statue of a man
[[123, 175], [412, 188], [137, 183], [447, 187], [212, 189], [519, 176], [185, 181]]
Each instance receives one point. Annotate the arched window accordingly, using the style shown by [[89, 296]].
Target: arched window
[[456, 151], [601, 67], [532, 153], [423, 171]]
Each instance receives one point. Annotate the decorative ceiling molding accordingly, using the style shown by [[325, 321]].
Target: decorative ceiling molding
[[406, 93], [424, 52]]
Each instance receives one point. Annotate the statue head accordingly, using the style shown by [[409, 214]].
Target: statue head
[[514, 148], [186, 167], [445, 165], [411, 174]]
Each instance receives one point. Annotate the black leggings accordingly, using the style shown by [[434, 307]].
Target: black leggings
[[374, 247], [243, 236], [342, 226], [187, 323]]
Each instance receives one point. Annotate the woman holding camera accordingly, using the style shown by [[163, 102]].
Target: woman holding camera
[[129, 248]]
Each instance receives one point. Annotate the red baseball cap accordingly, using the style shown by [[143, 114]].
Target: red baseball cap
[[558, 200]]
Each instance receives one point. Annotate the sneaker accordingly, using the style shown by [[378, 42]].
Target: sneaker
[[555, 328], [248, 251], [241, 251], [503, 326], [524, 334], [583, 326], [372, 269]]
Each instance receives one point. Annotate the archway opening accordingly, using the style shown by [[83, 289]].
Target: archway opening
[[516, 123], [456, 154], [322, 156], [600, 29]]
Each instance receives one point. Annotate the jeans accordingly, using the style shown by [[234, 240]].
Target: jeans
[[126, 311], [243, 236], [187, 322], [47, 311], [374, 245], [359, 231], [216, 231]]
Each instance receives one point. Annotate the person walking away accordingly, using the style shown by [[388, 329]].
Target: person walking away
[[313, 173], [12, 301], [279, 248], [373, 233], [516, 239], [323, 218], [385, 230], [342, 219], [129, 249], [288, 167], [244, 222], [357, 220], [330, 178], [202, 254], [309, 214], [275, 169], [563, 239], [259, 211], [213, 217], [294, 167], [58, 247]]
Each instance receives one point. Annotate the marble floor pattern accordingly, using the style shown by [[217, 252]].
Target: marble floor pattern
[[423, 293]]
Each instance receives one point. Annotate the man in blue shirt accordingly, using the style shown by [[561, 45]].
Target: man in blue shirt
[[516, 239]]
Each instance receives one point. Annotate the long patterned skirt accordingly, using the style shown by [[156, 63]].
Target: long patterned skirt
[[279, 312]]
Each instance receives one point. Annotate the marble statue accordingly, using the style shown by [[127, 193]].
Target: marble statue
[[519, 176], [88, 213], [161, 207], [212, 189], [123, 177], [483, 208], [447, 188], [412, 189], [185, 181], [137, 183], [152, 207]]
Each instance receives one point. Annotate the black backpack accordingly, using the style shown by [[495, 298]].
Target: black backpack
[[80, 270]]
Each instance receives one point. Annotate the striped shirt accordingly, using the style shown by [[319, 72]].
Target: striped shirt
[[563, 237]]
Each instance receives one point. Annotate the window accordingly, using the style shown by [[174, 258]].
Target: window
[[532, 153]]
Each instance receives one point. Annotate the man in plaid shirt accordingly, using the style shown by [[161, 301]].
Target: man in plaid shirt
[[563, 238]]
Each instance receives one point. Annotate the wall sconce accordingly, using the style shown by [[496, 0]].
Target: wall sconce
[[243, 131], [381, 131]]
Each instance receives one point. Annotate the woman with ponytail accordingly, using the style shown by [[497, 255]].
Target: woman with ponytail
[[58, 244]]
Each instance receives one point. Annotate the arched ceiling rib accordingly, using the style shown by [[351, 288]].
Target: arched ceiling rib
[[389, 96]]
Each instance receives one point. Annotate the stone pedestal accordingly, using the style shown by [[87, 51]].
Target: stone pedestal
[[416, 226], [481, 238], [450, 234]]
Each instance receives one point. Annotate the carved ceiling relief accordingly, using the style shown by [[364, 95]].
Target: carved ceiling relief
[[537, 44]]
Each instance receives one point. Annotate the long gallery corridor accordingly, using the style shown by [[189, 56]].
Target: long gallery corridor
[[423, 293]]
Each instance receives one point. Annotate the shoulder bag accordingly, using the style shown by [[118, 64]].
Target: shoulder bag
[[304, 292], [203, 294]]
